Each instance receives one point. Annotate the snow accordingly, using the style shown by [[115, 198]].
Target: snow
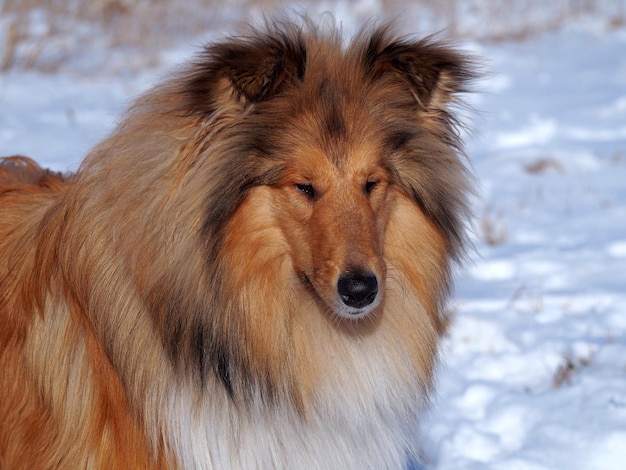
[[533, 370]]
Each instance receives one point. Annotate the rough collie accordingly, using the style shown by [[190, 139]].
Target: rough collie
[[249, 273]]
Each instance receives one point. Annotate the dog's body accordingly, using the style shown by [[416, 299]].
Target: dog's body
[[249, 273]]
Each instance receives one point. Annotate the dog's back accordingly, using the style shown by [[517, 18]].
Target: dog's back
[[26, 191], [37, 331], [20, 173]]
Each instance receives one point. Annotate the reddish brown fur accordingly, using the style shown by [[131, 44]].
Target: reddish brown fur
[[35, 405], [199, 249]]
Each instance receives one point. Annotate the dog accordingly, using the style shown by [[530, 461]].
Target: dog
[[250, 272]]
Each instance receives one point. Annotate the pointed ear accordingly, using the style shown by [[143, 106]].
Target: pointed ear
[[258, 71], [246, 69], [433, 71]]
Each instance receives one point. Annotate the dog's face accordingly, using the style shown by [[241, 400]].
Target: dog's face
[[333, 211]]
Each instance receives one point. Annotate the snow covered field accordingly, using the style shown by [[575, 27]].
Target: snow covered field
[[533, 372]]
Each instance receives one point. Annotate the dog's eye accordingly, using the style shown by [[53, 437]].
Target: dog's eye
[[370, 185], [306, 189]]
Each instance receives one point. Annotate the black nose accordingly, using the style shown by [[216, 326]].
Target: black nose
[[357, 290]]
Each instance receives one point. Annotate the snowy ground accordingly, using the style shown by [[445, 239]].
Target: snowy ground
[[533, 374]]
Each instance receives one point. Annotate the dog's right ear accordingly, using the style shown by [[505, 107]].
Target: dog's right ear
[[433, 72], [245, 70]]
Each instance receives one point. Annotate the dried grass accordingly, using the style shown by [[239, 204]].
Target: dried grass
[[567, 369], [493, 230], [543, 165], [51, 34]]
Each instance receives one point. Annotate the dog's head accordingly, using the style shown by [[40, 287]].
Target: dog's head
[[337, 133]]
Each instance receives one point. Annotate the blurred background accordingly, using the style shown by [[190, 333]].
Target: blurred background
[[127, 34]]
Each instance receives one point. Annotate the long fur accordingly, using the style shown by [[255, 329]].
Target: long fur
[[192, 296]]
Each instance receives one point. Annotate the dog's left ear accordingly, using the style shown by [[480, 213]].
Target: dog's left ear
[[433, 71], [246, 70], [259, 69]]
